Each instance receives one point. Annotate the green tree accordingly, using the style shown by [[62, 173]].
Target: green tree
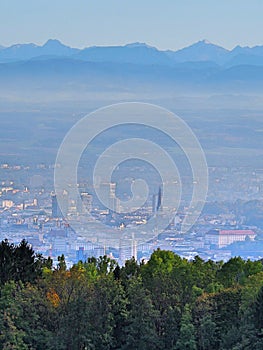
[[258, 310], [232, 272], [62, 266], [186, 340], [12, 335], [6, 261], [129, 270], [164, 277], [107, 313], [140, 330], [236, 271], [20, 263], [35, 316], [208, 333]]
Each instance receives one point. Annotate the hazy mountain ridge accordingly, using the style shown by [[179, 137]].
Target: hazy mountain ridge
[[200, 51], [21, 52], [137, 53], [80, 75], [134, 67]]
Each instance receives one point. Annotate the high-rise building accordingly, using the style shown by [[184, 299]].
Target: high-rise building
[[112, 195], [57, 211], [55, 208], [157, 201], [154, 204]]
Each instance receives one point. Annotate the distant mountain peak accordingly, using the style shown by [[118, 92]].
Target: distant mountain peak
[[205, 41], [201, 51], [18, 46], [53, 42], [138, 44]]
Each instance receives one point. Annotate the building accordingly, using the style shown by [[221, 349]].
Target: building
[[222, 238], [154, 203], [157, 201], [108, 196], [127, 250], [60, 209], [55, 208], [59, 240], [80, 254], [86, 202], [7, 203]]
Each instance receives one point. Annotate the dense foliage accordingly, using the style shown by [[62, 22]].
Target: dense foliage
[[167, 303]]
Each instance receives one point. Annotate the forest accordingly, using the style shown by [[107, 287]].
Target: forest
[[166, 303]]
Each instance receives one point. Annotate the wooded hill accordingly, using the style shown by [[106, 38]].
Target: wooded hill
[[167, 303]]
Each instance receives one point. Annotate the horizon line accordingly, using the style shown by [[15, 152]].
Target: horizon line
[[204, 41]]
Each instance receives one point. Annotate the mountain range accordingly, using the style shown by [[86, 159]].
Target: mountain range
[[133, 68], [203, 52]]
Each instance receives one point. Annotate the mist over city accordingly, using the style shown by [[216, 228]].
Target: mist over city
[[131, 175]]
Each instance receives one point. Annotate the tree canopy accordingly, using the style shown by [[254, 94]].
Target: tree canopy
[[166, 303]]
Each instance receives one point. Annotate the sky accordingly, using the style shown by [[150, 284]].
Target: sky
[[166, 24]]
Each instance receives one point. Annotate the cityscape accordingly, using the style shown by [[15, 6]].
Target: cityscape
[[229, 225], [131, 175]]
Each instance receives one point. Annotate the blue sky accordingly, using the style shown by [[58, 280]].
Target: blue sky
[[162, 23]]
